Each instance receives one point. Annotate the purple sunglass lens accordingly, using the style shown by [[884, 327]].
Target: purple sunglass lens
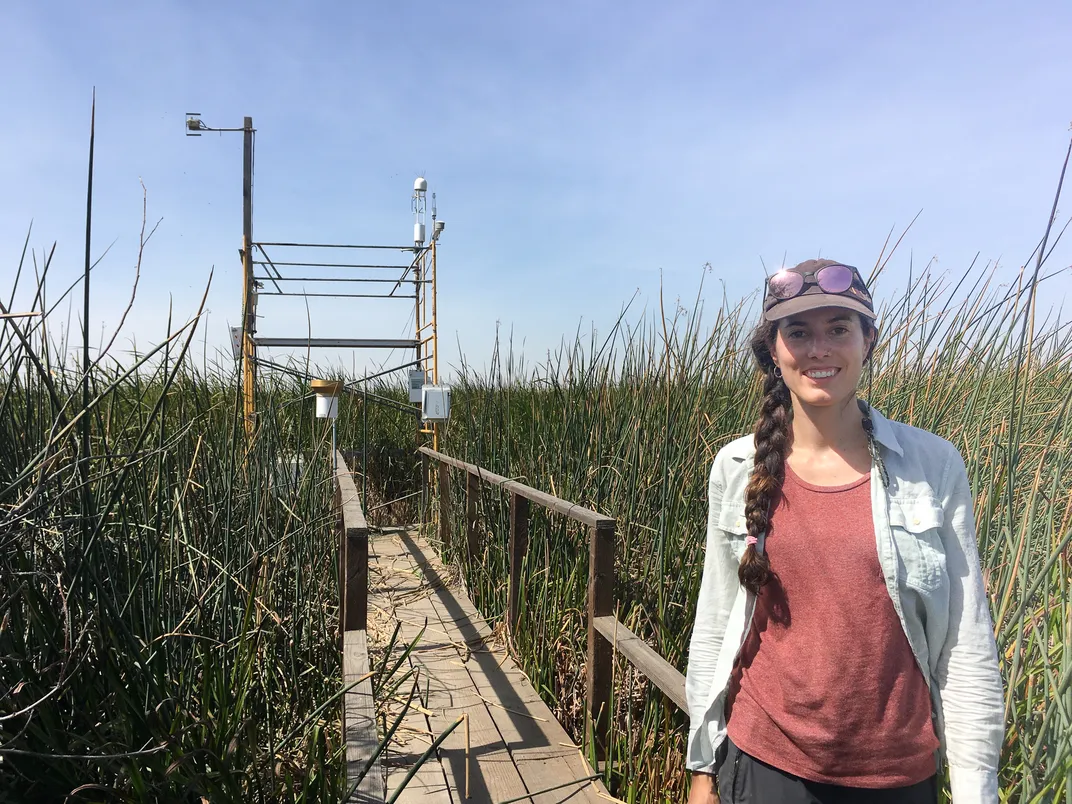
[[786, 284], [834, 278]]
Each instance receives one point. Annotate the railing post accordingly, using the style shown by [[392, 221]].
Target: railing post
[[472, 494], [424, 490], [519, 545], [600, 652], [444, 505]]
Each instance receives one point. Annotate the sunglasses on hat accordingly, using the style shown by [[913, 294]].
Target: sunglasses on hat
[[813, 284], [830, 278]]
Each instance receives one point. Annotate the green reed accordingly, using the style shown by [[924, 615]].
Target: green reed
[[178, 640]]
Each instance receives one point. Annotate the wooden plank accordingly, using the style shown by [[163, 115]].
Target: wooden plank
[[497, 765], [359, 722], [659, 671], [519, 545], [543, 753], [580, 513], [486, 762], [340, 531], [352, 514], [538, 746], [429, 784], [566, 779], [600, 658], [356, 602], [354, 549]]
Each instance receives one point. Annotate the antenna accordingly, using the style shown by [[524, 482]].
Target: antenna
[[420, 192]]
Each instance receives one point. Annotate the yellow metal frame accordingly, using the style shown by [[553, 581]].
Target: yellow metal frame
[[428, 357], [249, 347]]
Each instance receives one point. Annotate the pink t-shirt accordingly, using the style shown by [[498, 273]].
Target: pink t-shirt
[[826, 687]]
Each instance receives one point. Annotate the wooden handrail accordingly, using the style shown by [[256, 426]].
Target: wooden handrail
[[654, 667], [353, 550], [605, 633], [578, 512], [359, 711]]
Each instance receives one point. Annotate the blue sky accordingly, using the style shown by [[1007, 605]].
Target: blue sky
[[580, 152]]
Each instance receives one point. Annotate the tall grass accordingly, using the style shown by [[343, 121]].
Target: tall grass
[[629, 425], [178, 640]]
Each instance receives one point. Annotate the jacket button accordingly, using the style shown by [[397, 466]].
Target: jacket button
[[915, 521]]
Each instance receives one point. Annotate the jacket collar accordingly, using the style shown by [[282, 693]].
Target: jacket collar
[[884, 431], [745, 448]]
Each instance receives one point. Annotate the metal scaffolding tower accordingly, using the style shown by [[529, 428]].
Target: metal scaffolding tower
[[411, 277]]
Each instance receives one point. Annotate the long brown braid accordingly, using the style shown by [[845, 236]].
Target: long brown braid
[[772, 443]]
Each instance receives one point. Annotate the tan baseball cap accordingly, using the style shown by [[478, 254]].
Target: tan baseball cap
[[813, 284]]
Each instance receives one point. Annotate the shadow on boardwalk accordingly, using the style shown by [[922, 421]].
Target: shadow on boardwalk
[[516, 750]]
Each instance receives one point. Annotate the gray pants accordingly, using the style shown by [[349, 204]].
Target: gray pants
[[743, 779]]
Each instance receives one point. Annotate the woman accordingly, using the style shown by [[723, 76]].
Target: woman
[[843, 645]]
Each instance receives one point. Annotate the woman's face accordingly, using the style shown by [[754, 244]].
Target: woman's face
[[821, 354]]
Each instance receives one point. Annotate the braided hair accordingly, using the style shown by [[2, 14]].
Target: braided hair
[[772, 442]]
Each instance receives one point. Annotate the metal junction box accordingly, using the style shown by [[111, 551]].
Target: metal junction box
[[417, 380], [435, 403]]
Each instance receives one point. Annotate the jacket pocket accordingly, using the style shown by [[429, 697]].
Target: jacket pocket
[[731, 521], [914, 526]]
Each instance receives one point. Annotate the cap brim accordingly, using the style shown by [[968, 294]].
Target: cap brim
[[813, 301]]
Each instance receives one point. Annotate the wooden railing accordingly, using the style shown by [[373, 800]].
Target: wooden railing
[[605, 632], [353, 551], [359, 710]]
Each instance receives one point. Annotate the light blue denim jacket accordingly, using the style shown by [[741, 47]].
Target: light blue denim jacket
[[925, 533]]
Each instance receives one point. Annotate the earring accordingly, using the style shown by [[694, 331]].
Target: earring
[[778, 372]]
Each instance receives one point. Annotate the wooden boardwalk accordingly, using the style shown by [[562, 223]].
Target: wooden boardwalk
[[509, 747]]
